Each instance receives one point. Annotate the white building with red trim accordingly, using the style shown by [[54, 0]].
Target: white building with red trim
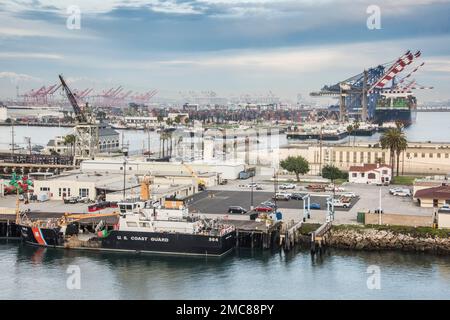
[[370, 174]]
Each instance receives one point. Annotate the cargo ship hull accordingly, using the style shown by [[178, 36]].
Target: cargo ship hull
[[140, 242], [391, 115]]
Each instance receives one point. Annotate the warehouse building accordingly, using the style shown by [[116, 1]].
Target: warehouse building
[[95, 185], [223, 170], [419, 158]]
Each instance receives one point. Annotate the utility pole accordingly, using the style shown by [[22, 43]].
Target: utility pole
[[320, 149], [251, 200], [275, 187], [12, 140], [124, 176], [148, 138], [379, 208]]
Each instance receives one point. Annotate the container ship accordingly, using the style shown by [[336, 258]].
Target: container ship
[[141, 228], [397, 107]]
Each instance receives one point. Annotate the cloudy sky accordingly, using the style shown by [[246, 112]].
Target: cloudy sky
[[228, 46]]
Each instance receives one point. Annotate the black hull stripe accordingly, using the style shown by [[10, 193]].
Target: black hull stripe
[[134, 251]]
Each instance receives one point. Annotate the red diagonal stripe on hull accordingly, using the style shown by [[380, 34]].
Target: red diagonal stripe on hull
[[37, 236]]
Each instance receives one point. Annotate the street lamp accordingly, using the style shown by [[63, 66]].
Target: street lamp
[[379, 207], [251, 194], [275, 186], [124, 176]]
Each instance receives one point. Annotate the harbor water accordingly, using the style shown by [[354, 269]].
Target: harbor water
[[428, 126], [38, 273]]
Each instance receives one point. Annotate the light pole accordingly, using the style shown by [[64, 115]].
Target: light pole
[[251, 195], [275, 186], [124, 176], [379, 208]]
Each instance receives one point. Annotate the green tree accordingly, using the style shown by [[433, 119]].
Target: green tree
[[297, 165], [331, 172], [394, 140]]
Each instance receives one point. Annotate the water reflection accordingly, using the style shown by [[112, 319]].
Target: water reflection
[[32, 272]]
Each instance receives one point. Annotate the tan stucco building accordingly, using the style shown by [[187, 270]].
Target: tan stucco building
[[419, 158]]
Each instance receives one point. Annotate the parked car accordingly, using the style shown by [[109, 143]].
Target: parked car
[[315, 206], [287, 186], [349, 194], [263, 209], [268, 204], [392, 190], [316, 187], [72, 200], [332, 187], [345, 199], [297, 196], [236, 209], [84, 200], [282, 196], [445, 207], [402, 193]]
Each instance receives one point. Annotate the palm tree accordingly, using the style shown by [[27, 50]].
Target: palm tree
[[401, 147], [349, 131], [394, 140], [70, 140]]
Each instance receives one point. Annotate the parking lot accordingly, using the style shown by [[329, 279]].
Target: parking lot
[[368, 200], [219, 201]]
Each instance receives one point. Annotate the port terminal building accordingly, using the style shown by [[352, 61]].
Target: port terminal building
[[112, 177], [222, 170], [421, 158], [112, 186]]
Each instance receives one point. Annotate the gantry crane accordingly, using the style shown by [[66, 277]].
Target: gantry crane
[[360, 93]]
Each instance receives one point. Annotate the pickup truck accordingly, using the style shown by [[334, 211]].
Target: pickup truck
[[340, 204]]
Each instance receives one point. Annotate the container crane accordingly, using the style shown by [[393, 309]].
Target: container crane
[[359, 94]]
